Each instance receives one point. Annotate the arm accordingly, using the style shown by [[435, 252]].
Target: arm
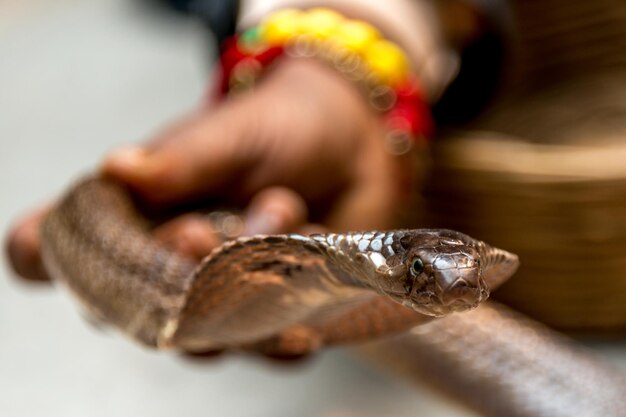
[[289, 132]]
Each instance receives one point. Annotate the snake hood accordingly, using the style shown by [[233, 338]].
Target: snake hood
[[433, 271]]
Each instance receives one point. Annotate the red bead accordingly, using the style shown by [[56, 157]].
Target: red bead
[[269, 55], [416, 119], [410, 89]]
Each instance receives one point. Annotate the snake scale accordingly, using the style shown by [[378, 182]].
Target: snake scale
[[290, 294]]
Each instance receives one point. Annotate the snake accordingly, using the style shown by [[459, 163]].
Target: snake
[[292, 294]]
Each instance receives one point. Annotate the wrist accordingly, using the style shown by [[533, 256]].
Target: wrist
[[415, 25], [353, 48]]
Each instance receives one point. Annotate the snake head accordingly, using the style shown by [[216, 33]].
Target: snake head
[[437, 272]]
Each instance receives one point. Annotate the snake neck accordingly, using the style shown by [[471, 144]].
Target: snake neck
[[358, 258]]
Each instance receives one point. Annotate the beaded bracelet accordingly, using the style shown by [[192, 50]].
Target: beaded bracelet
[[354, 48]]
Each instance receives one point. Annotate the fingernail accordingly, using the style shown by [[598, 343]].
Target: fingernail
[[264, 222], [126, 158], [24, 256]]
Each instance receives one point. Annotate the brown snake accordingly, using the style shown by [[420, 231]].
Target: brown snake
[[289, 294]]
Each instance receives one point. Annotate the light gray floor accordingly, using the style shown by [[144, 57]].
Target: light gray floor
[[78, 77]]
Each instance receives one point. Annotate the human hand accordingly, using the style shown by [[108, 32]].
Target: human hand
[[303, 129]]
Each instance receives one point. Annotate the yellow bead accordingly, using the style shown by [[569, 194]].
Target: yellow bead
[[281, 26], [387, 61], [320, 23], [356, 35]]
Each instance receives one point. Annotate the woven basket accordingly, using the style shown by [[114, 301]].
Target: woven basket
[[543, 172], [561, 209], [544, 176]]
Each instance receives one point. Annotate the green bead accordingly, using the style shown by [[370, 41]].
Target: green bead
[[251, 36]]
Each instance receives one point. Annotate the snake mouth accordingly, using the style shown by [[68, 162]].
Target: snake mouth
[[425, 303], [436, 308], [433, 309], [432, 300], [478, 296]]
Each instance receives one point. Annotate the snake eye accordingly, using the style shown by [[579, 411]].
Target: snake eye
[[417, 266]]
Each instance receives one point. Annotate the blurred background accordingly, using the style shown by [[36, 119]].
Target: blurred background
[[79, 77]]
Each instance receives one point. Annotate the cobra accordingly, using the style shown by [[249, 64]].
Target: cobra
[[289, 294]]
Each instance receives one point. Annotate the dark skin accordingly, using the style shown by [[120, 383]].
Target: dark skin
[[288, 152], [278, 150], [302, 152]]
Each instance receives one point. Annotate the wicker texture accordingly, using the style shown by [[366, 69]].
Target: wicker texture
[[543, 173]]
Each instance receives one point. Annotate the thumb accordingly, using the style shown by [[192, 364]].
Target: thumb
[[204, 155]]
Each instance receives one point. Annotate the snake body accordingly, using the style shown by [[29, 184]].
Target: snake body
[[503, 364], [285, 294], [254, 289]]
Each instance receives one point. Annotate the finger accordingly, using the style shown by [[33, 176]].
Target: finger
[[275, 210], [206, 154], [23, 247], [191, 235]]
